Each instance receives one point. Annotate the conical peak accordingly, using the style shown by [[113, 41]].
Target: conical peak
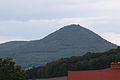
[[72, 26]]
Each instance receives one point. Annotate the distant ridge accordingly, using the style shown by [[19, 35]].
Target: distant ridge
[[71, 40]]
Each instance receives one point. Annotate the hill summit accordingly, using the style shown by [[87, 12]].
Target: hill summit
[[71, 40]]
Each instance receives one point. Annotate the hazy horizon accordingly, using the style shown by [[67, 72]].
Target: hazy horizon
[[34, 19]]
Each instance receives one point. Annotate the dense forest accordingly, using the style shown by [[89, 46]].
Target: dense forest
[[89, 61]]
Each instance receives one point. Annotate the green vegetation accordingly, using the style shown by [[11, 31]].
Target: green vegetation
[[10, 71], [71, 40], [89, 61], [58, 78]]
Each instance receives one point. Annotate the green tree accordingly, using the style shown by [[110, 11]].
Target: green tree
[[10, 71]]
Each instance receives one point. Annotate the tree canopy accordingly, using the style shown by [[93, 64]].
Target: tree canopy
[[89, 61], [10, 71]]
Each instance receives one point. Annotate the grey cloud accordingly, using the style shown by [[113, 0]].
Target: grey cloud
[[39, 9], [15, 16]]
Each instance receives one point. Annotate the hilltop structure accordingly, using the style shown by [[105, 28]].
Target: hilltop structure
[[107, 74]]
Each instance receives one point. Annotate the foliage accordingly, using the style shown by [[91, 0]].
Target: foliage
[[10, 71], [89, 61], [71, 40]]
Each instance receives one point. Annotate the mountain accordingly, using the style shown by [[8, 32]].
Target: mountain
[[71, 40]]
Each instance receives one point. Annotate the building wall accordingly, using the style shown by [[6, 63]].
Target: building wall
[[111, 74]]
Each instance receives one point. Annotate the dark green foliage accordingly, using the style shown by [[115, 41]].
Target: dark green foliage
[[71, 40], [10, 71], [89, 61]]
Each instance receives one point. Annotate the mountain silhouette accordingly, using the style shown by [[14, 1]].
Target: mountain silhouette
[[71, 40]]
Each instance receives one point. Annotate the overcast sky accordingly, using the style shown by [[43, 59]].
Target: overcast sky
[[34, 19]]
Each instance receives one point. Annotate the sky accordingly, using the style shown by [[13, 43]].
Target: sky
[[34, 19]]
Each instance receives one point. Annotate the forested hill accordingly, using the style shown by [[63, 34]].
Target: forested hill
[[89, 61], [71, 40]]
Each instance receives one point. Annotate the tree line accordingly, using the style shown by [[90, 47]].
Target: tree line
[[89, 61]]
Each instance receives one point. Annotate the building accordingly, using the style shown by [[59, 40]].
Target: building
[[108, 74]]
